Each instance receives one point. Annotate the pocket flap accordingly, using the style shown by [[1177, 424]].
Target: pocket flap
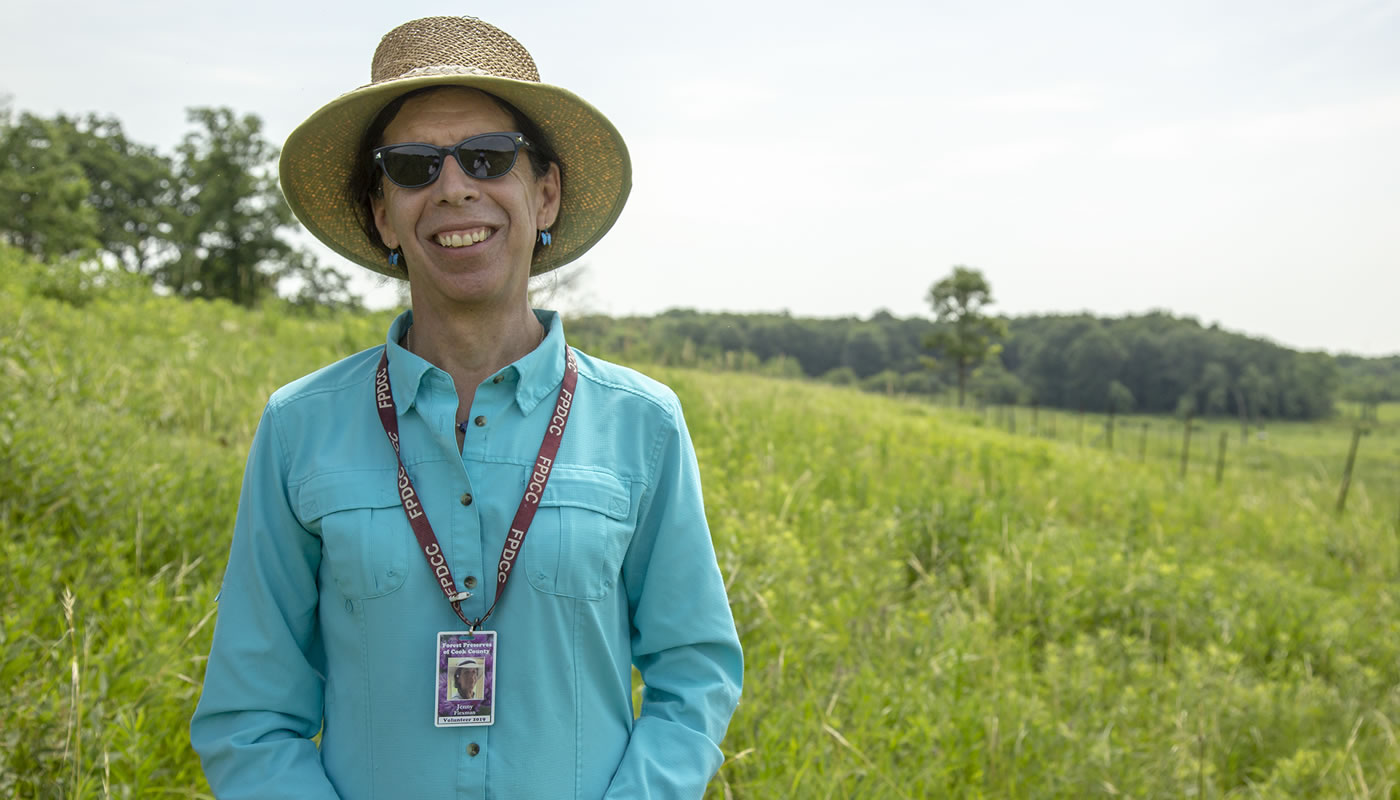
[[581, 488], [337, 491]]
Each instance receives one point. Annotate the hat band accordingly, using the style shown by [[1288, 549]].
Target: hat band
[[443, 69]]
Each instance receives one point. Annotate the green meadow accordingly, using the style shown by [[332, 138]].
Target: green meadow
[[931, 604]]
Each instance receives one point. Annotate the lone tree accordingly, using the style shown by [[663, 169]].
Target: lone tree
[[964, 332]]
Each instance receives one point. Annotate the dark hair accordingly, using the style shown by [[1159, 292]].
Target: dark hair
[[366, 180]]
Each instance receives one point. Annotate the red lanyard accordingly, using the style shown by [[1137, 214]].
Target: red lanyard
[[534, 489]]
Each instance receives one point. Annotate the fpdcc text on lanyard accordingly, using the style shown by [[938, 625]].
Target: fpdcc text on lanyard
[[466, 659]]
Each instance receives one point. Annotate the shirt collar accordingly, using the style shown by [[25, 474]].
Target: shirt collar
[[406, 370], [540, 371], [537, 374]]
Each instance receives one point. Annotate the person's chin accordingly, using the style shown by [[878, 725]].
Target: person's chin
[[471, 284]]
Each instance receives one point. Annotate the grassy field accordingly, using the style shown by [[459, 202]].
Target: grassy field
[[1307, 450], [931, 605]]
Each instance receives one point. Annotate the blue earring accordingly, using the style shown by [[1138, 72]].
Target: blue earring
[[394, 258], [545, 238]]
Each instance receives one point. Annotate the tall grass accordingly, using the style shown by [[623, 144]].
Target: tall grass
[[980, 614], [929, 606]]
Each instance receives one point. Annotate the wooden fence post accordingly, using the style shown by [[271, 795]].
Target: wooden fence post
[[1356, 434], [1220, 462]]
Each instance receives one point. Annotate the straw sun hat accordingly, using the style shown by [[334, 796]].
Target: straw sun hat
[[321, 155]]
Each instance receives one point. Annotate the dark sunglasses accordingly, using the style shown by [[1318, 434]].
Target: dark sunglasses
[[413, 165]]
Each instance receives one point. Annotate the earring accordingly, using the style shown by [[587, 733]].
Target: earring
[[394, 258], [545, 237]]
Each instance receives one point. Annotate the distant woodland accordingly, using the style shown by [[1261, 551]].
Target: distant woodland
[[1150, 363]]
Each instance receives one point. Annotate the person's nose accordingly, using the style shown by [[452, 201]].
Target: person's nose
[[454, 186]]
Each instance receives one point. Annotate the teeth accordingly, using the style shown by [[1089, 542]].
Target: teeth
[[463, 240]]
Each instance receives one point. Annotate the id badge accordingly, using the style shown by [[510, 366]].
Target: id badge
[[466, 678]]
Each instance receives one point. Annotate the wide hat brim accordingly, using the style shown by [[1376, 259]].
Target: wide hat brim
[[321, 155]]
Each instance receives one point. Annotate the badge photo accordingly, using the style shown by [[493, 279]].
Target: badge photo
[[466, 678]]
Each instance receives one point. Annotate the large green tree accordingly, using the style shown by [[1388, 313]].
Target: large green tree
[[231, 215], [74, 185], [131, 187], [43, 190], [232, 224], [965, 332]]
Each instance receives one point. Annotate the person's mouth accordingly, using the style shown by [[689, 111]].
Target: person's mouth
[[465, 237]]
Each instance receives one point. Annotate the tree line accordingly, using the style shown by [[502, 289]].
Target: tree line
[[204, 221], [1370, 381], [1148, 363]]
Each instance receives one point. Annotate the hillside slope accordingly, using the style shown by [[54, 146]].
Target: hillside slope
[[928, 607]]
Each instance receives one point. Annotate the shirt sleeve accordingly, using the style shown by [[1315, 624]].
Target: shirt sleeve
[[683, 638], [263, 691]]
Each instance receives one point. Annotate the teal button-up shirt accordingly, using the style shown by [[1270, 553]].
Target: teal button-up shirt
[[329, 614]]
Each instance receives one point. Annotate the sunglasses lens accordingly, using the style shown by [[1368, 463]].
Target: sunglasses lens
[[488, 156], [411, 165]]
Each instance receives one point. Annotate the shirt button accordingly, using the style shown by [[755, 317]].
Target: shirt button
[[480, 421], [498, 378], [473, 749], [470, 582], [466, 498]]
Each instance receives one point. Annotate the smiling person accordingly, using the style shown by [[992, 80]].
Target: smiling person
[[473, 488]]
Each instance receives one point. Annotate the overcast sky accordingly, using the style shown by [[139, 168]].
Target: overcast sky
[[1233, 160]]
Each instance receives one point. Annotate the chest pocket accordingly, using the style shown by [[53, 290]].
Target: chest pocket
[[580, 534], [364, 534]]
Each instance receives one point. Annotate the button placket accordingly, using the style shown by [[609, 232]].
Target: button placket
[[488, 404]]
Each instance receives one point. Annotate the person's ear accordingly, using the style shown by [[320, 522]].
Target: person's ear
[[381, 221], [547, 197]]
